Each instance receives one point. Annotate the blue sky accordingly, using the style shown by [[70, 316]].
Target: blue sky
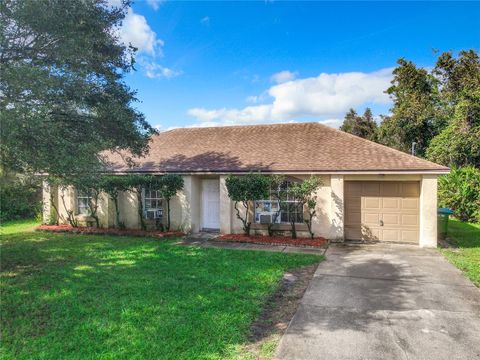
[[224, 63]]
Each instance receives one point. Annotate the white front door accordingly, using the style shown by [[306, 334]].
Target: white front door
[[211, 204]]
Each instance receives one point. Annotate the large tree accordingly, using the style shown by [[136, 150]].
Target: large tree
[[62, 95], [458, 144], [414, 115], [363, 126]]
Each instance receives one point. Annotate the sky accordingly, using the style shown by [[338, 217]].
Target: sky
[[239, 63]]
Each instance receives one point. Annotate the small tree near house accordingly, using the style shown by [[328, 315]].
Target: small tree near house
[[304, 194], [245, 190], [113, 185], [137, 183], [275, 183], [169, 185]]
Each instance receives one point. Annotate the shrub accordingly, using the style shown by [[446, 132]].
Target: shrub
[[460, 191], [245, 190], [19, 201]]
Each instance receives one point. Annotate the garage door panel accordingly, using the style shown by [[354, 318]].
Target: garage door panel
[[371, 218], [371, 203], [370, 233], [354, 203], [394, 204], [410, 189], [390, 189], [409, 220], [391, 203], [353, 232], [410, 203], [354, 188], [391, 220], [391, 234], [371, 188], [409, 236], [355, 217]]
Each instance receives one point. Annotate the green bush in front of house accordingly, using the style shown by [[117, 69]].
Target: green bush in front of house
[[19, 200], [460, 191]]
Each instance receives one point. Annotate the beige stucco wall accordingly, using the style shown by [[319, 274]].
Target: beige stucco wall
[[428, 211], [225, 208]]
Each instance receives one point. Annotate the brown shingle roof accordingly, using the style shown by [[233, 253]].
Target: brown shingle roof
[[297, 147]]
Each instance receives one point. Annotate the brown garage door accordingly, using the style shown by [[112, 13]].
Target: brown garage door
[[382, 210]]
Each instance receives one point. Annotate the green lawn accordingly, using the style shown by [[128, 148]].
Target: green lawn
[[467, 256], [84, 296]]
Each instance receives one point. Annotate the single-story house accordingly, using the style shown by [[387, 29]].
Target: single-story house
[[369, 191]]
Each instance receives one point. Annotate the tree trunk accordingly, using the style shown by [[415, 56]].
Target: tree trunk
[[140, 209], [168, 214], [294, 230], [117, 213]]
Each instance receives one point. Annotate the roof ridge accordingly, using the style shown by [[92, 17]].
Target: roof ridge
[[242, 126]]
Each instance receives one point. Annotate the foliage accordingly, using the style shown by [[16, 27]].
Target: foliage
[[113, 185], [169, 185], [363, 126], [414, 117], [62, 93], [245, 190], [466, 254], [458, 144], [90, 297], [19, 199], [276, 182], [439, 110], [460, 191], [92, 186], [304, 193]]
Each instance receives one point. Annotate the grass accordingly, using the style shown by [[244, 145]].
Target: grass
[[87, 296], [466, 236], [18, 226]]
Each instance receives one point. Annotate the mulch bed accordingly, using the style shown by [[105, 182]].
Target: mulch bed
[[108, 231], [274, 240]]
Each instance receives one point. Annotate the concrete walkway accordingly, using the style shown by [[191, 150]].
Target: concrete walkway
[[208, 240], [385, 302]]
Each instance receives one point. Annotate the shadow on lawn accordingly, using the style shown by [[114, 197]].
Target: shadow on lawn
[[71, 295]]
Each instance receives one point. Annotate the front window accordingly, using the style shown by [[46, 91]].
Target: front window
[[273, 211], [83, 201], [153, 204]]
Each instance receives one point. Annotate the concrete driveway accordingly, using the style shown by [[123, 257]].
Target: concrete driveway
[[385, 302]]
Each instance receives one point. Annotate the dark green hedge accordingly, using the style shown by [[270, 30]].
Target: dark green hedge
[[19, 201]]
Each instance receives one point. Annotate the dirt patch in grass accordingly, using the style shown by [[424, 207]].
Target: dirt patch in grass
[[267, 330]]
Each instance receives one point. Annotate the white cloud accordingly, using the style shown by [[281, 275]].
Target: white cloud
[[154, 4], [153, 70], [283, 76], [335, 123], [205, 20], [252, 99], [326, 96], [136, 31]]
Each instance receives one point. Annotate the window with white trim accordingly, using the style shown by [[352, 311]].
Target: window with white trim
[[83, 200], [152, 204], [272, 211]]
